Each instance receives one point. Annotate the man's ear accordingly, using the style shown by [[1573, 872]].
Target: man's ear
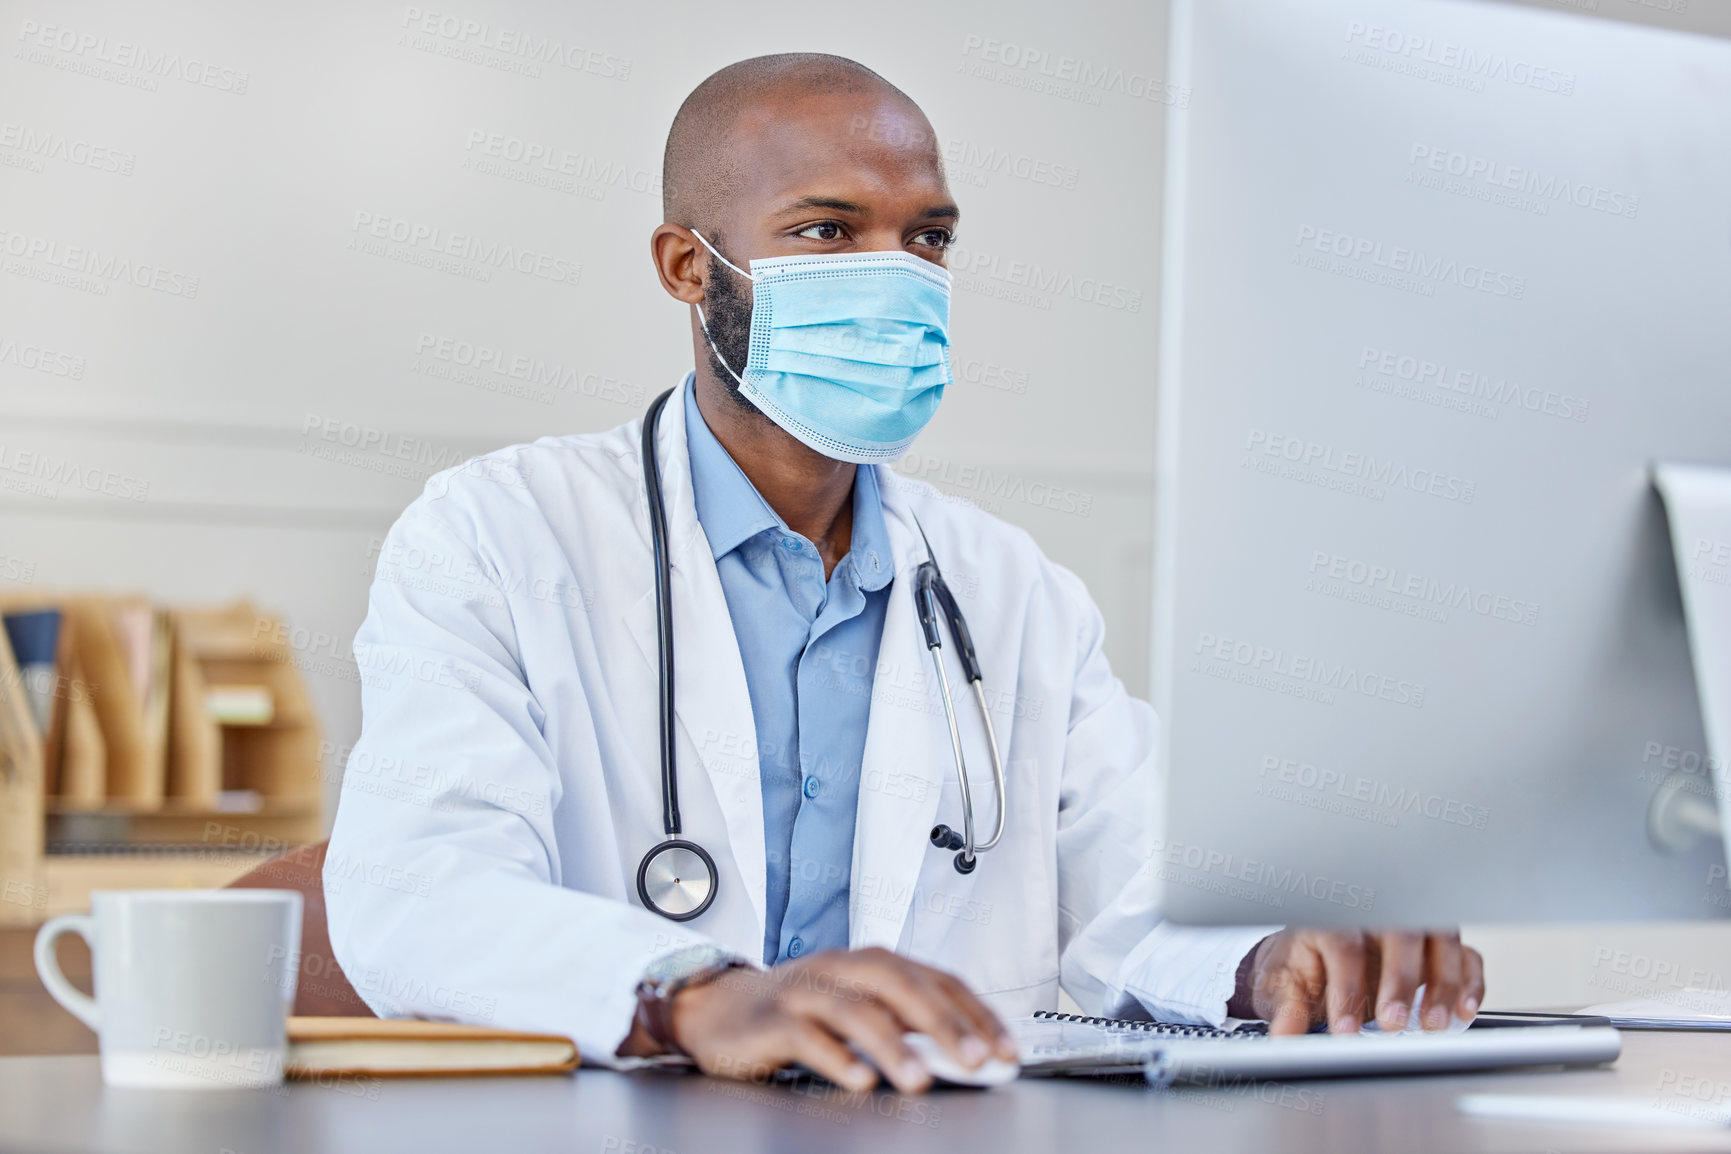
[[675, 250]]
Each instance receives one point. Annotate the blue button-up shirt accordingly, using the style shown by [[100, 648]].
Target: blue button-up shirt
[[810, 649]]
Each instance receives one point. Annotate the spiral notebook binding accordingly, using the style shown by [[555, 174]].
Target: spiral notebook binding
[[1165, 1029]]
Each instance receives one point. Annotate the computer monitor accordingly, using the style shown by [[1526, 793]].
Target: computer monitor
[[1442, 281]]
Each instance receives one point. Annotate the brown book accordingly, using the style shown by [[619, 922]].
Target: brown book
[[83, 753], [20, 743], [131, 778], [400, 1048], [194, 739]]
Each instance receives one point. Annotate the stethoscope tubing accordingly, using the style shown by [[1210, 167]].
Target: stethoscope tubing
[[663, 615], [997, 765], [930, 592], [968, 846], [674, 845]]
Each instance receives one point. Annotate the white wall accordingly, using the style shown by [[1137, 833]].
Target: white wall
[[247, 151], [1566, 967]]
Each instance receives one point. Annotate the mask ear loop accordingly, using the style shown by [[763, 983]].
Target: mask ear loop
[[721, 258], [703, 321]]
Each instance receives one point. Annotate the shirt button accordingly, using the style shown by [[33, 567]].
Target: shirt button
[[795, 948], [811, 787], [791, 544]]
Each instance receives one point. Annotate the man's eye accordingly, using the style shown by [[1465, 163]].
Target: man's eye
[[936, 238], [822, 230]]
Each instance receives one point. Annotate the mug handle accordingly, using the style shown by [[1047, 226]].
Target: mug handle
[[76, 1002]]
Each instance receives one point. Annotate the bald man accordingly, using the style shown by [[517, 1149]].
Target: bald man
[[506, 800]]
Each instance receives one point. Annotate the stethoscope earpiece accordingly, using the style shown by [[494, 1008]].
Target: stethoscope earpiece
[[946, 838]]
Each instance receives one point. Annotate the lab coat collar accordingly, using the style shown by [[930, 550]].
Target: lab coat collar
[[712, 703]]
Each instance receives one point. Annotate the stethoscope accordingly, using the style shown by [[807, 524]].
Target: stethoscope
[[677, 877]]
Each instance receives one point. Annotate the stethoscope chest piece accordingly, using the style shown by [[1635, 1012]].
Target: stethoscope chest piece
[[677, 879]]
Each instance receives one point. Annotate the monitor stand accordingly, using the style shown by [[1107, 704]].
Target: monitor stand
[[1698, 507]]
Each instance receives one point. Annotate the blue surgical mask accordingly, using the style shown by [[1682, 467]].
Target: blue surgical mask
[[849, 353]]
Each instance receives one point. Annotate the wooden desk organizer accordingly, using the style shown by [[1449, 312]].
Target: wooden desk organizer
[[124, 766]]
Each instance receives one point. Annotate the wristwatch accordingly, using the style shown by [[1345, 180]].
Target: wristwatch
[[671, 973]]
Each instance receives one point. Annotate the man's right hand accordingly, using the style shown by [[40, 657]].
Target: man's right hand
[[746, 1023]]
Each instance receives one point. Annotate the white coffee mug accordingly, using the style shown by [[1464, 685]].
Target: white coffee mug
[[193, 987]]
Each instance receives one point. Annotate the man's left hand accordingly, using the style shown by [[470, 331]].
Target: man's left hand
[[1299, 978]]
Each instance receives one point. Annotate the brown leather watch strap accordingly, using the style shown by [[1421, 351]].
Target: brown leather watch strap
[[655, 1017], [655, 1002]]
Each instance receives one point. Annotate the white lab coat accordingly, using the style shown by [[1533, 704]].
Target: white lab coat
[[505, 785]]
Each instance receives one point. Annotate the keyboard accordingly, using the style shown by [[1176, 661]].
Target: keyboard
[[1167, 1053]]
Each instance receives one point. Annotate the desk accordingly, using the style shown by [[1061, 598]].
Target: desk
[[60, 1104]]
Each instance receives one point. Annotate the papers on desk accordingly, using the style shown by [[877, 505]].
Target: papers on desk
[[1676, 1010], [1556, 1109]]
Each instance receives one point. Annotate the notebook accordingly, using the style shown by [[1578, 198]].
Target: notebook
[[1165, 1053], [319, 1047], [1058, 1044], [1688, 1009]]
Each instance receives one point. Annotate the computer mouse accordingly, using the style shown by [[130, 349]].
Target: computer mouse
[[944, 1068]]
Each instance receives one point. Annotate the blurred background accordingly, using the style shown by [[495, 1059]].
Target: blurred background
[[263, 270], [339, 207]]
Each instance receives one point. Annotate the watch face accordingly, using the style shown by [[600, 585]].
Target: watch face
[[670, 968]]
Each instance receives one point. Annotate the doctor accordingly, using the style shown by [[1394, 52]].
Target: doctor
[[507, 785]]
